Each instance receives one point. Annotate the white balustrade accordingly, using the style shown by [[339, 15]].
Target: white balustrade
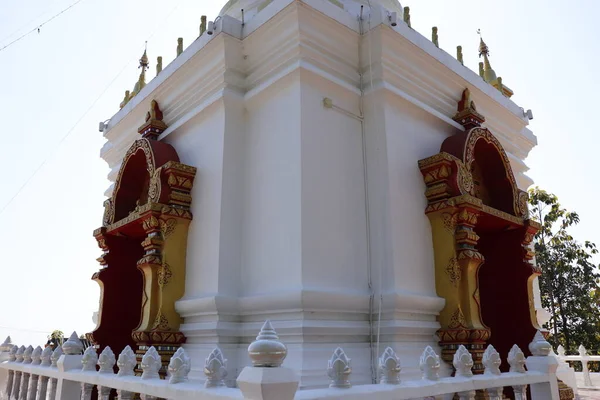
[[46, 375]]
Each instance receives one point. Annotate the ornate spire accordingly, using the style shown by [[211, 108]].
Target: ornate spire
[[488, 74], [141, 82]]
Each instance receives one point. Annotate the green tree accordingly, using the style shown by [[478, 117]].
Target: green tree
[[569, 283]]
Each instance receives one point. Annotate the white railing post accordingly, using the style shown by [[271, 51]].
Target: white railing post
[[106, 362], [70, 360], [266, 379], [339, 370], [541, 362], [491, 361], [56, 354], [45, 362], [126, 364], [463, 364], [25, 376], [516, 360], [587, 380], [430, 364], [88, 361], [14, 395], [11, 374], [36, 359]]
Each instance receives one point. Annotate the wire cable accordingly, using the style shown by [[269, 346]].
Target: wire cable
[[37, 28], [70, 131]]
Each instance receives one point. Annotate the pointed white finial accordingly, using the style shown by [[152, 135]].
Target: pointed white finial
[[267, 350], [560, 350], [73, 346], [46, 354], [539, 346], [492, 361], [19, 354], [107, 361], [36, 356], [7, 345], [90, 359], [56, 356], [179, 366], [151, 364], [430, 364], [582, 350], [12, 356], [339, 370], [463, 362], [126, 362], [215, 369], [27, 355], [389, 367], [516, 360]]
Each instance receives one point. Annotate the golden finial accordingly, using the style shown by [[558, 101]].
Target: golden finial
[[202, 24], [407, 16], [158, 65], [434, 36], [459, 54], [144, 60], [179, 46], [499, 86], [489, 74]]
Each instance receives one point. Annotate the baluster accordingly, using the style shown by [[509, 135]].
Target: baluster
[[463, 364], [516, 360], [179, 366], [491, 361], [106, 362], [53, 364], [389, 367], [215, 369], [561, 351], [338, 369], [126, 364], [11, 373], [36, 359], [86, 391], [587, 380], [45, 362], [25, 377], [17, 380]]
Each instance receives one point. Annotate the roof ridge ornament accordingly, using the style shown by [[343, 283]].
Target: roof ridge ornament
[[467, 114], [487, 72]]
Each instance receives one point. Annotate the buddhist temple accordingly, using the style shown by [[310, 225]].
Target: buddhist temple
[[322, 165]]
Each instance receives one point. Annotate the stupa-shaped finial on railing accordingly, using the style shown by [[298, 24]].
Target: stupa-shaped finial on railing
[[491, 361], [215, 369], [7, 345], [27, 355], [36, 356], [179, 366], [46, 355], [267, 350], [560, 350], [539, 346], [12, 355], [73, 345], [430, 364], [389, 367], [582, 350], [89, 359], [339, 370], [151, 363], [463, 362], [516, 360], [107, 361], [56, 356], [126, 362]]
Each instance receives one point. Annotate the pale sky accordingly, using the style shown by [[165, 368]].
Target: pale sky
[[544, 50]]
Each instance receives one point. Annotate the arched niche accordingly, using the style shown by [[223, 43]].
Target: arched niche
[[144, 241], [481, 237]]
